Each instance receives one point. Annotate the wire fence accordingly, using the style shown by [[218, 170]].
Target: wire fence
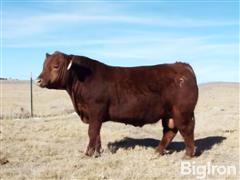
[[23, 99]]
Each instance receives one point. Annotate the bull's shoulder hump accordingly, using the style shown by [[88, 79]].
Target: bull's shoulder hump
[[184, 65]]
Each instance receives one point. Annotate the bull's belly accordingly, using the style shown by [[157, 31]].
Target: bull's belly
[[135, 121], [136, 115]]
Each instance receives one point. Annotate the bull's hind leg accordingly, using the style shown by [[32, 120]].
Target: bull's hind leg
[[185, 123], [169, 132]]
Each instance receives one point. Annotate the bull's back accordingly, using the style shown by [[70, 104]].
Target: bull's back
[[153, 79]]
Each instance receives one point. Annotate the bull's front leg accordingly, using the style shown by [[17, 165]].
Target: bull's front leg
[[94, 146]]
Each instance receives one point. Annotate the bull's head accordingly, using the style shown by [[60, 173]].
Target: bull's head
[[55, 71]]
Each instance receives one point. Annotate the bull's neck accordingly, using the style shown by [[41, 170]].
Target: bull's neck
[[71, 88], [72, 83]]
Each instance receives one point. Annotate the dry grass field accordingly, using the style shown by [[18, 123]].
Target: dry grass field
[[51, 145]]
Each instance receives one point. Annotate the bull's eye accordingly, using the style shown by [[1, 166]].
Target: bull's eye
[[56, 66]]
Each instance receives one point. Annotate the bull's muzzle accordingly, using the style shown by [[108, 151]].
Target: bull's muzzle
[[39, 82]]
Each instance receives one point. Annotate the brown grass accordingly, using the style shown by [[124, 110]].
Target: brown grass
[[16, 101], [53, 146]]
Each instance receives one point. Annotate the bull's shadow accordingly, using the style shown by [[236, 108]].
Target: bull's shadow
[[202, 144]]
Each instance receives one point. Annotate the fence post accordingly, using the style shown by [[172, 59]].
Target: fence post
[[31, 95]]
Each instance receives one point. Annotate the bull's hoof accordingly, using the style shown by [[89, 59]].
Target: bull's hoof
[[96, 154], [187, 157], [159, 151], [91, 152], [155, 156], [189, 154]]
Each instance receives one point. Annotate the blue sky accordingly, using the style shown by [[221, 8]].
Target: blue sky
[[128, 33]]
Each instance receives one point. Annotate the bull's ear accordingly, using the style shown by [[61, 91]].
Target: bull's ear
[[47, 55]]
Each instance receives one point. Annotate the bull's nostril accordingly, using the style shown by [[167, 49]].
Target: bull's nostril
[[38, 81]]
